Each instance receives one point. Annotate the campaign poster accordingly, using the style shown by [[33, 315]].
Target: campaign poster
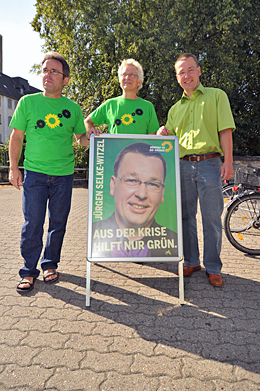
[[134, 199]]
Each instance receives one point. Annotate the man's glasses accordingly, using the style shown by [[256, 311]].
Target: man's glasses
[[189, 71], [135, 183], [52, 71], [130, 75]]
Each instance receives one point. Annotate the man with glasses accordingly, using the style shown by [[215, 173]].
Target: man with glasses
[[49, 121], [138, 186], [203, 122], [128, 113]]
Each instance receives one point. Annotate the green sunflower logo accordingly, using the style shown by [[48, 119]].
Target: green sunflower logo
[[169, 145]]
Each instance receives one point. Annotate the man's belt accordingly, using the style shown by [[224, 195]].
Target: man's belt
[[198, 158]]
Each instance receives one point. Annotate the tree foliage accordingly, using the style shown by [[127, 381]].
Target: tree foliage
[[95, 36]]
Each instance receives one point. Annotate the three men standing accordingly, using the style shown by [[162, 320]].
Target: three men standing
[[203, 122]]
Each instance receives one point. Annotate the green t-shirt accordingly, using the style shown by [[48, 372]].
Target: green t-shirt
[[49, 125], [126, 116], [196, 121]]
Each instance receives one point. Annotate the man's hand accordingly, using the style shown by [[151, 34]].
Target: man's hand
[[162, 131], [227, 171], [90, 128], [97, 132], [15, 177], [15, 148], [225, 138]]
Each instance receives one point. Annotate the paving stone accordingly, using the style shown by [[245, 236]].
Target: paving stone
[[252, 375], [107, 362], [51, 358], [173, 352], [12, 300], [19, 355], [156, 366], [41, 339], [238, 337], [33, 377], [7, 322], [95, 342], [108, 329], [44, 301], [57, 313], [237, 386], [80, 327], [28, 324], [226, 352], [198, 335], [11, 337], [134, 382], [79, 380], [132, 345], [188, 384], [207, 370], [20, 311]]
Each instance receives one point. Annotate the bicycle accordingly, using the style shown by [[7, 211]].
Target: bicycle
[[242, 218], [229, 190]]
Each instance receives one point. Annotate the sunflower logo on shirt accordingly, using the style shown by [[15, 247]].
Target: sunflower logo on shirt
[[53, 120], [127, 119]]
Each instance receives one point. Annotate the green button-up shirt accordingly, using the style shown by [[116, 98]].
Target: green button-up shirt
[[196, 121]]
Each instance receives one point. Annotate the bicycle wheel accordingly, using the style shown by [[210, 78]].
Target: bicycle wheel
[[229, 191], [242, 223]]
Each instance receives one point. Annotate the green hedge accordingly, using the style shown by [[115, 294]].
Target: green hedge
[[81, 155]]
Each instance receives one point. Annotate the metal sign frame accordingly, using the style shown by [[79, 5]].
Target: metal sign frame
[[168, 248]]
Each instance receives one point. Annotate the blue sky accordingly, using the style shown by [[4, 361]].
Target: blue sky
[[21, 45]]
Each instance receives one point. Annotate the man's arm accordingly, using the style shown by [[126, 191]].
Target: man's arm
[[15, 148], [82, 139], [225, 138], [90, 127]]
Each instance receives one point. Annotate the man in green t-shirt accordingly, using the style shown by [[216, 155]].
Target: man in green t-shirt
[[126, 114], [203, 122], [49, 121]]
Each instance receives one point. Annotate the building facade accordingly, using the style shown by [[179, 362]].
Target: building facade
[[11, 90]]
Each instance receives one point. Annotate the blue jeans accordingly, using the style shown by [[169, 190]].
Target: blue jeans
[[202, 181], [38, 189]]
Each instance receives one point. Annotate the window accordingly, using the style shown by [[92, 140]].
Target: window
[[15, 104], [9, 119], [9, 103]]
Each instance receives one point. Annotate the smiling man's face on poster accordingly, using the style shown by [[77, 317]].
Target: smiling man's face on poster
[[138, 190]]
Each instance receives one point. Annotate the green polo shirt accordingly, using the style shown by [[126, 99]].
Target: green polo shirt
[[196, 121]]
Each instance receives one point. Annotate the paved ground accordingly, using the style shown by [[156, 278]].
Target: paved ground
[[135, 336]]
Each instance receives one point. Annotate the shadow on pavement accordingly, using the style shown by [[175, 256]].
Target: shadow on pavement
[[219, 324]]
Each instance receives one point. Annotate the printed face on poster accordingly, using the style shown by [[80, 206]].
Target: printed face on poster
[[134, 203]]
